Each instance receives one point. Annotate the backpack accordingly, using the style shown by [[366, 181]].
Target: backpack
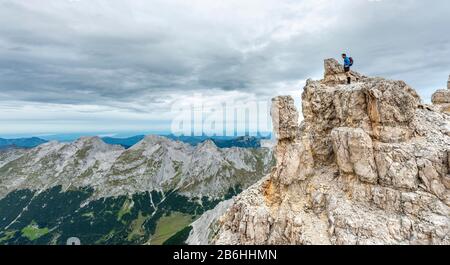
[[351, 61]]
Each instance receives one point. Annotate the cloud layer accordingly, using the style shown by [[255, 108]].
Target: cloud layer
[[110, 63]]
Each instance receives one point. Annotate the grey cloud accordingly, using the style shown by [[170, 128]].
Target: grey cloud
[[115, 53]]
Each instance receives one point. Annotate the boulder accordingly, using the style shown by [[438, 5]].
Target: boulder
[[441, 97]]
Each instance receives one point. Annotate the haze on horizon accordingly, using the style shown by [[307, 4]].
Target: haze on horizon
[[110, 66]]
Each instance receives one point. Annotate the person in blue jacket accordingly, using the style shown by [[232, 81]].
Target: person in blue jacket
[[348, 62]]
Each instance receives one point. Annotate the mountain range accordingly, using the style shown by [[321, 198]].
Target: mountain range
[[106, 194], [21, 142], [127, 142]]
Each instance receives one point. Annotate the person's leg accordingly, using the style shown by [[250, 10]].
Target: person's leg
[[347, 73]]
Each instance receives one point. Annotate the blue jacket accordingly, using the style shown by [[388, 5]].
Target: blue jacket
[[347, 61]]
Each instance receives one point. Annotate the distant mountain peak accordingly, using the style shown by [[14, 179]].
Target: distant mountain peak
[[208, 144], [152, 139], [89, 140]]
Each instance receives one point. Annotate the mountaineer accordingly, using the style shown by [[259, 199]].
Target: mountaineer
[[348, 62]]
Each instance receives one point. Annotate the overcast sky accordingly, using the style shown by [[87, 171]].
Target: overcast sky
[[110, 65]]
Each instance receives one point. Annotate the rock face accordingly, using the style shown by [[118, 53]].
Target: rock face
[[442, 98], [204, 227], [368, 165]]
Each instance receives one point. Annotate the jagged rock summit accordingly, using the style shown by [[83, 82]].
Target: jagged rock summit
[[368, 165]]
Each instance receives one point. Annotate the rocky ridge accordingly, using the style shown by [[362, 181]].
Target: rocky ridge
[[368, 165]]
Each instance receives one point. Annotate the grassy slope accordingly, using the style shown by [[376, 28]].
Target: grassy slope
[[53, 216], [33, 232], [169, 225]]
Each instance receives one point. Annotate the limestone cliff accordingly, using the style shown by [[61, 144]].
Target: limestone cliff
[[368, 165]]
